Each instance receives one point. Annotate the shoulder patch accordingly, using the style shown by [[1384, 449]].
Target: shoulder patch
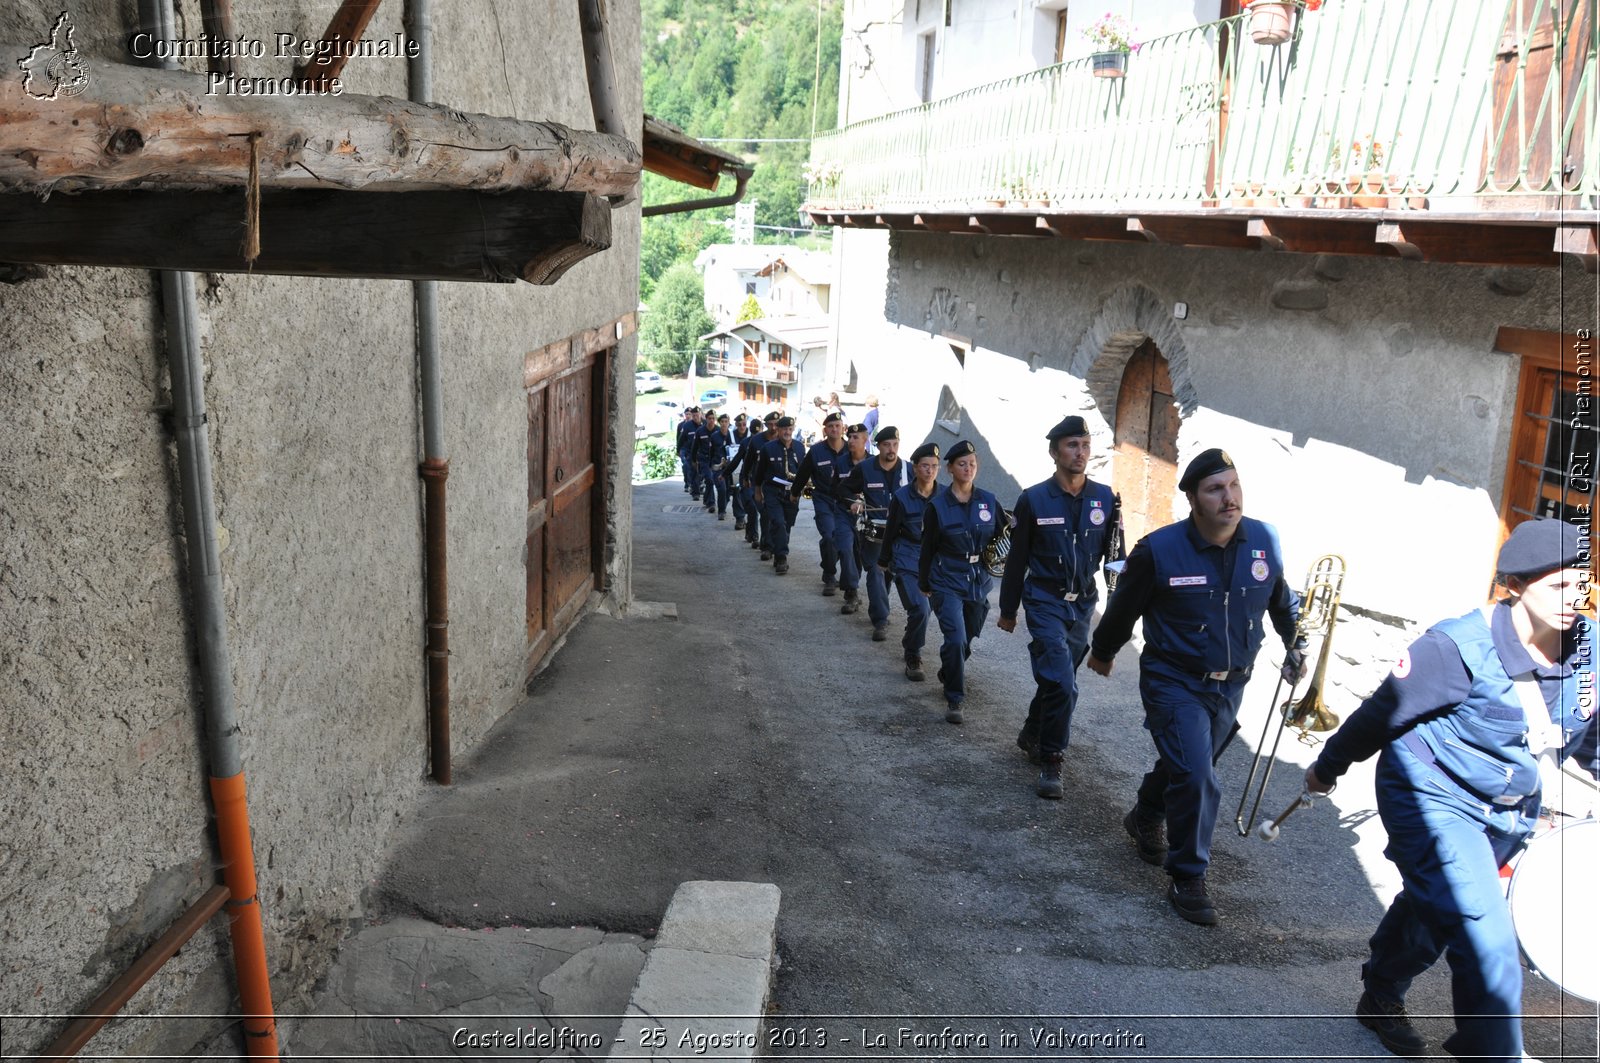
[[1402, 667]]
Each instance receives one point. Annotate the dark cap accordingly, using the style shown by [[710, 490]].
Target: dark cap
[[927, 450], [960, 450], [832, 417], [853, 429], [1539, 546], [886, 434], [1070, 426], [1206, 463], [774, 415], [786, 422]]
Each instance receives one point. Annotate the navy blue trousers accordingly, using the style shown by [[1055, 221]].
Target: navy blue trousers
[[1060, 633], [961, 621]]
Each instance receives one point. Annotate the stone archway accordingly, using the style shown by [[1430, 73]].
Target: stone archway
[[1127, 318]]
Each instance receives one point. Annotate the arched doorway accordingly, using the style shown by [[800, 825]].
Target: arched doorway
[[1144, 469]]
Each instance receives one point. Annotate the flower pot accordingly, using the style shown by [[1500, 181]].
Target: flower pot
[[1109, 64], [1336, 199], [1271, 22]]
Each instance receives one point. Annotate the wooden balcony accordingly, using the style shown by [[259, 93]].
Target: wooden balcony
[[1436, 131]]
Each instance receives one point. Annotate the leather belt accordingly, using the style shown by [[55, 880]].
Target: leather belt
[[1056, 590]]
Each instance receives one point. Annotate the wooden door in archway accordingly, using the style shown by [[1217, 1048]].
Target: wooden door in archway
[[1144, 466]]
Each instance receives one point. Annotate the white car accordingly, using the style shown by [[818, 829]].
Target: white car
[[643, 382]]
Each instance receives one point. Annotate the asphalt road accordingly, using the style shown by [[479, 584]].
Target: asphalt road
[[932, 904]]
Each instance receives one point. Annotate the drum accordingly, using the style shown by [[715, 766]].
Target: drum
[[1552, 905], [872, 530]]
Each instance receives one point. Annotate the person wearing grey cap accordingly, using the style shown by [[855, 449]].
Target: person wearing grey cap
[[1469, 719], [1203, 587]]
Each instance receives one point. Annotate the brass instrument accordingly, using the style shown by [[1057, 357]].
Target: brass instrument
[[1319, 608], [999, 548]]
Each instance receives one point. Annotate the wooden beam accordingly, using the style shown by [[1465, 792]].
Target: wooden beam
[[944, 223], [1579, 241], [1463, 243], [1195, 231], [1553, 350], [674, 167], [1006, 224], [133, 127], [1316, 236], [1087, 227], [455, 236], [347, 27]]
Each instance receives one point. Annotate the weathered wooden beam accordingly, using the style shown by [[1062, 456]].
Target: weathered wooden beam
[[346, 27], [1579, 241], [1316, 236], [448, 236], [138, 128], [1473, 245], [1087, 227], [1195, 231], [1006, 224]]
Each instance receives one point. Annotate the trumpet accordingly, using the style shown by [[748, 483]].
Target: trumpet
[[1319, 607]]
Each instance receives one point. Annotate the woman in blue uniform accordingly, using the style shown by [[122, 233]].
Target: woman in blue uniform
[[902, 553], [958, 524], [1467, 719]]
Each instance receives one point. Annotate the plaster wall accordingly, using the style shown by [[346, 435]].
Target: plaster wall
[[315, 435], [1362, 398]]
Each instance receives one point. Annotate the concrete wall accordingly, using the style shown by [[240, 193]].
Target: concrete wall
[[315, 436], [1362, 398]]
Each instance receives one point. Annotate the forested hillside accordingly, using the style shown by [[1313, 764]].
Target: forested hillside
[[737, 68]]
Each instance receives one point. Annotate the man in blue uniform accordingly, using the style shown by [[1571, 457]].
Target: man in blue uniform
[[1201, 586], [1062, 536], [779, 464], [874, 482], [745, 463], [902, 554], [736, 495], [1470, 718], [713, 455], [956, 526], [685, 436], [826, 465]]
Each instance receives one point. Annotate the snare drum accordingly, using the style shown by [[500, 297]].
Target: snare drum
[[1552, 905]]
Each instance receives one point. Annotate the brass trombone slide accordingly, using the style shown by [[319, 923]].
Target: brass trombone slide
[[1319, 607]]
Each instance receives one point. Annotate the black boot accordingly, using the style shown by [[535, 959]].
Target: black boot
[[1050, 777]]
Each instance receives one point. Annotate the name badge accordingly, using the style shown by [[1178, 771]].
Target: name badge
[[1045, 522], [1187, 581]]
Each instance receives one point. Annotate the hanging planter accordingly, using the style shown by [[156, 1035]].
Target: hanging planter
[[1271, 22], [1109, 64]]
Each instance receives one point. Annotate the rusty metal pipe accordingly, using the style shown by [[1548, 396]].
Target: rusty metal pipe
[[105, 1007], [740, 175], [435, 471]]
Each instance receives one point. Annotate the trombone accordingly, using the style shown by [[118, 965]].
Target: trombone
[[1319, 607]]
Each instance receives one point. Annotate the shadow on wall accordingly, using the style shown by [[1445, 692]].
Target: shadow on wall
[[1120, 318], [992, 474]]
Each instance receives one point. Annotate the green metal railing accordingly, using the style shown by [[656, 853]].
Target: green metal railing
[[1420, 101]]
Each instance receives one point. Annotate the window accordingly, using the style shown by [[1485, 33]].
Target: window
[[1061, 35], [1550, 470], [925, 68], [749, 287]]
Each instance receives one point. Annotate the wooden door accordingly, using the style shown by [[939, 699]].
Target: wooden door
[[1536, 96], [565, 548], [1144, 464]]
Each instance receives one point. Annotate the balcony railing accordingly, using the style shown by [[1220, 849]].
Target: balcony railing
[[1438, 103], [773, 372]]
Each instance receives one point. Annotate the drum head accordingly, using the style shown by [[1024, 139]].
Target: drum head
[[1552, 905]]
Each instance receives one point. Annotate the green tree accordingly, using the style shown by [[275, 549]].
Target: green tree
[[677, 318], [751, 310]]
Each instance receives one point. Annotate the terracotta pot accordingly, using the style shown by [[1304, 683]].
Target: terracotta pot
[[1271, 23], [1109, 64]]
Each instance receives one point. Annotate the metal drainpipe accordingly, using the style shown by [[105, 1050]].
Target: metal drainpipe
[[435, 467], [211, 633]]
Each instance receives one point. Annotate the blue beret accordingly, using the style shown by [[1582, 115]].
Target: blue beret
[[927, 450], [1539, 546], [960, 450], [1070, 426], [1206, 463]]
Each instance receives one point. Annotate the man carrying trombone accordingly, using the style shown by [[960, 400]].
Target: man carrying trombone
[[1063, 532], [1469, 719], [1202, 586]]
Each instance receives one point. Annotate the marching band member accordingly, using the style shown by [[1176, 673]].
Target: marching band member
[[713, 458], [875, 482], [902, 553], [826, 465], [1202, 586], [779, 464], [1465, 721], [736, 493], [1062, 535], [958, 524]]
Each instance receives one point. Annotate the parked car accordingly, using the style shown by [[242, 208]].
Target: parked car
[[713, 397], [643, 382]]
